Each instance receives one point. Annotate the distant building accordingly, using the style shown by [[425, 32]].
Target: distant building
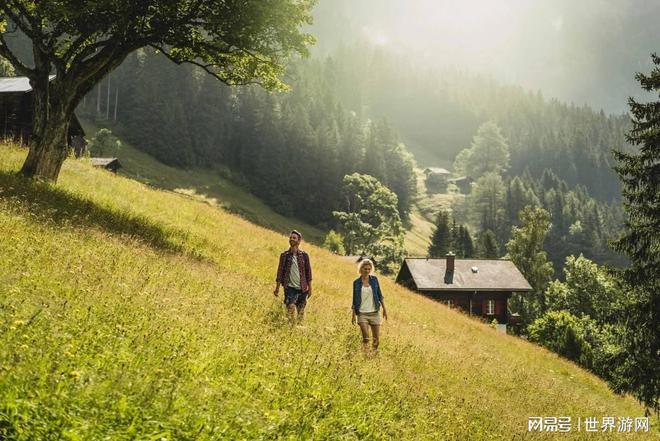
[[480, 287], [464, 183], [111, 164], [17, 109], [436, 178]]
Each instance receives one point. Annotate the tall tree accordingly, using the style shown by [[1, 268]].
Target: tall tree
[[487, 245], [441, 240], [371, 224], [487, 202], [489, 152], [639, 172], [525, 249], [237, 42]]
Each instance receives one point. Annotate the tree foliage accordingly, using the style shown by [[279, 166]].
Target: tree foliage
[[488, 153], [371, 224], [236, 42], [442, 238], [639, 172], [588, 290], [334, 242], [526, 251], [104, 143]]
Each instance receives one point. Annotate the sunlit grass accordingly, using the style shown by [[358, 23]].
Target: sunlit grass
[[163, 325]]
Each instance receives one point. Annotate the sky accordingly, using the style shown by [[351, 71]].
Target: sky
[[585, 52]]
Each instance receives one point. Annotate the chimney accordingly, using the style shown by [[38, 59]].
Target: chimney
[[450, 262]]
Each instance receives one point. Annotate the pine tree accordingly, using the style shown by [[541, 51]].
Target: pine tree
[[639, 172], [441, 240], [488, 245]]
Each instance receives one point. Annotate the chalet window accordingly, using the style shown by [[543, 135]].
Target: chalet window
[[490, 307]]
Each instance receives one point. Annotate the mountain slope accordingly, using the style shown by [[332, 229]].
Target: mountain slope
[[205, 184], [132, 313]]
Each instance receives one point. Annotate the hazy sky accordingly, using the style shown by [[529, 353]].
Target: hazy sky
[[583, 51]]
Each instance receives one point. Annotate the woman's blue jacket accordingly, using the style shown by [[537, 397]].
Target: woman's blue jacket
[[357, 293]]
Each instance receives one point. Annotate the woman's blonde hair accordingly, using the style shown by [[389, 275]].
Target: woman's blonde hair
[[364, 262]]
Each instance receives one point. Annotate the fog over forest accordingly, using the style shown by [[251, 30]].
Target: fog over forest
[[583, 52]]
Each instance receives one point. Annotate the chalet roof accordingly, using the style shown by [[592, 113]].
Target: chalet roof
[[17, 84], [490, 275], [461, 178], [104, 162], [437, 171]]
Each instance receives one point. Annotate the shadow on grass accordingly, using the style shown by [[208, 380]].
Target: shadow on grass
[[57, 206]]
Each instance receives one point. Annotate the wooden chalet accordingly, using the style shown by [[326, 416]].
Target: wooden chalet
[[436, 178], [16, 110], [464, 184], [479, 287]]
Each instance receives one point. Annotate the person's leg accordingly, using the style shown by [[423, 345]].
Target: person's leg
[[375, 331], [300, 307], [290, 303], [364, 327]]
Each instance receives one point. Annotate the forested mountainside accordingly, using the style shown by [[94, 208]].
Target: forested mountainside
[[340, 102]]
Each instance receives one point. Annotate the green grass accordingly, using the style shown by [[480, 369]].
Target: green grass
[[206, 185], [420, 226], [128, 313]]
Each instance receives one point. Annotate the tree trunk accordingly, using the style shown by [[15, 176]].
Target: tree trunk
[[48, 144]]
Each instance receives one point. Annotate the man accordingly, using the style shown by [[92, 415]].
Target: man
[[294, 273]]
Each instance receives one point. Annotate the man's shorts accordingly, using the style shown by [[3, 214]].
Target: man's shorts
[[293, 296], [372, 318]]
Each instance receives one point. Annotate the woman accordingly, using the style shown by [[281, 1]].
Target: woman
[[367, 301]]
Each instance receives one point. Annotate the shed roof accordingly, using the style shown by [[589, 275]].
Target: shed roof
[[437, 170], [104, 162], [17, 84], [491, 275], [461, 179]]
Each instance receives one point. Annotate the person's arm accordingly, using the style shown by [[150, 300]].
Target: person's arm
[[353, 316], [279, 276], [308, 274], [380, 298]]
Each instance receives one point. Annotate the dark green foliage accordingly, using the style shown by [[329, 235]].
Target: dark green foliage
[[442, 237], [487, 245], [639, 372], [237, 42], [563, 333], [463, 245], [292, 149]]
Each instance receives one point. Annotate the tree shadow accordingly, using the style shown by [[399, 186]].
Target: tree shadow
[[50, 204]]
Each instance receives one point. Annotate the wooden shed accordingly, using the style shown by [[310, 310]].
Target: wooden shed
[[111, 164], [436, 178]]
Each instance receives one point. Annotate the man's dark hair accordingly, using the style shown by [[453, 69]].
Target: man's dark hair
[[297, 233]]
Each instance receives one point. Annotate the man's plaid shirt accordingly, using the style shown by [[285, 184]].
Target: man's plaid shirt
[[284, 269]]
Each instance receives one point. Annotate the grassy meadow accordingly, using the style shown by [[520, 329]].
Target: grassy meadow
[[131, 313], [202, 184], [423, 215]]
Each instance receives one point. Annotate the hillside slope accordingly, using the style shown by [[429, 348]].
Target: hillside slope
[[204, 184], [132, 313]]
